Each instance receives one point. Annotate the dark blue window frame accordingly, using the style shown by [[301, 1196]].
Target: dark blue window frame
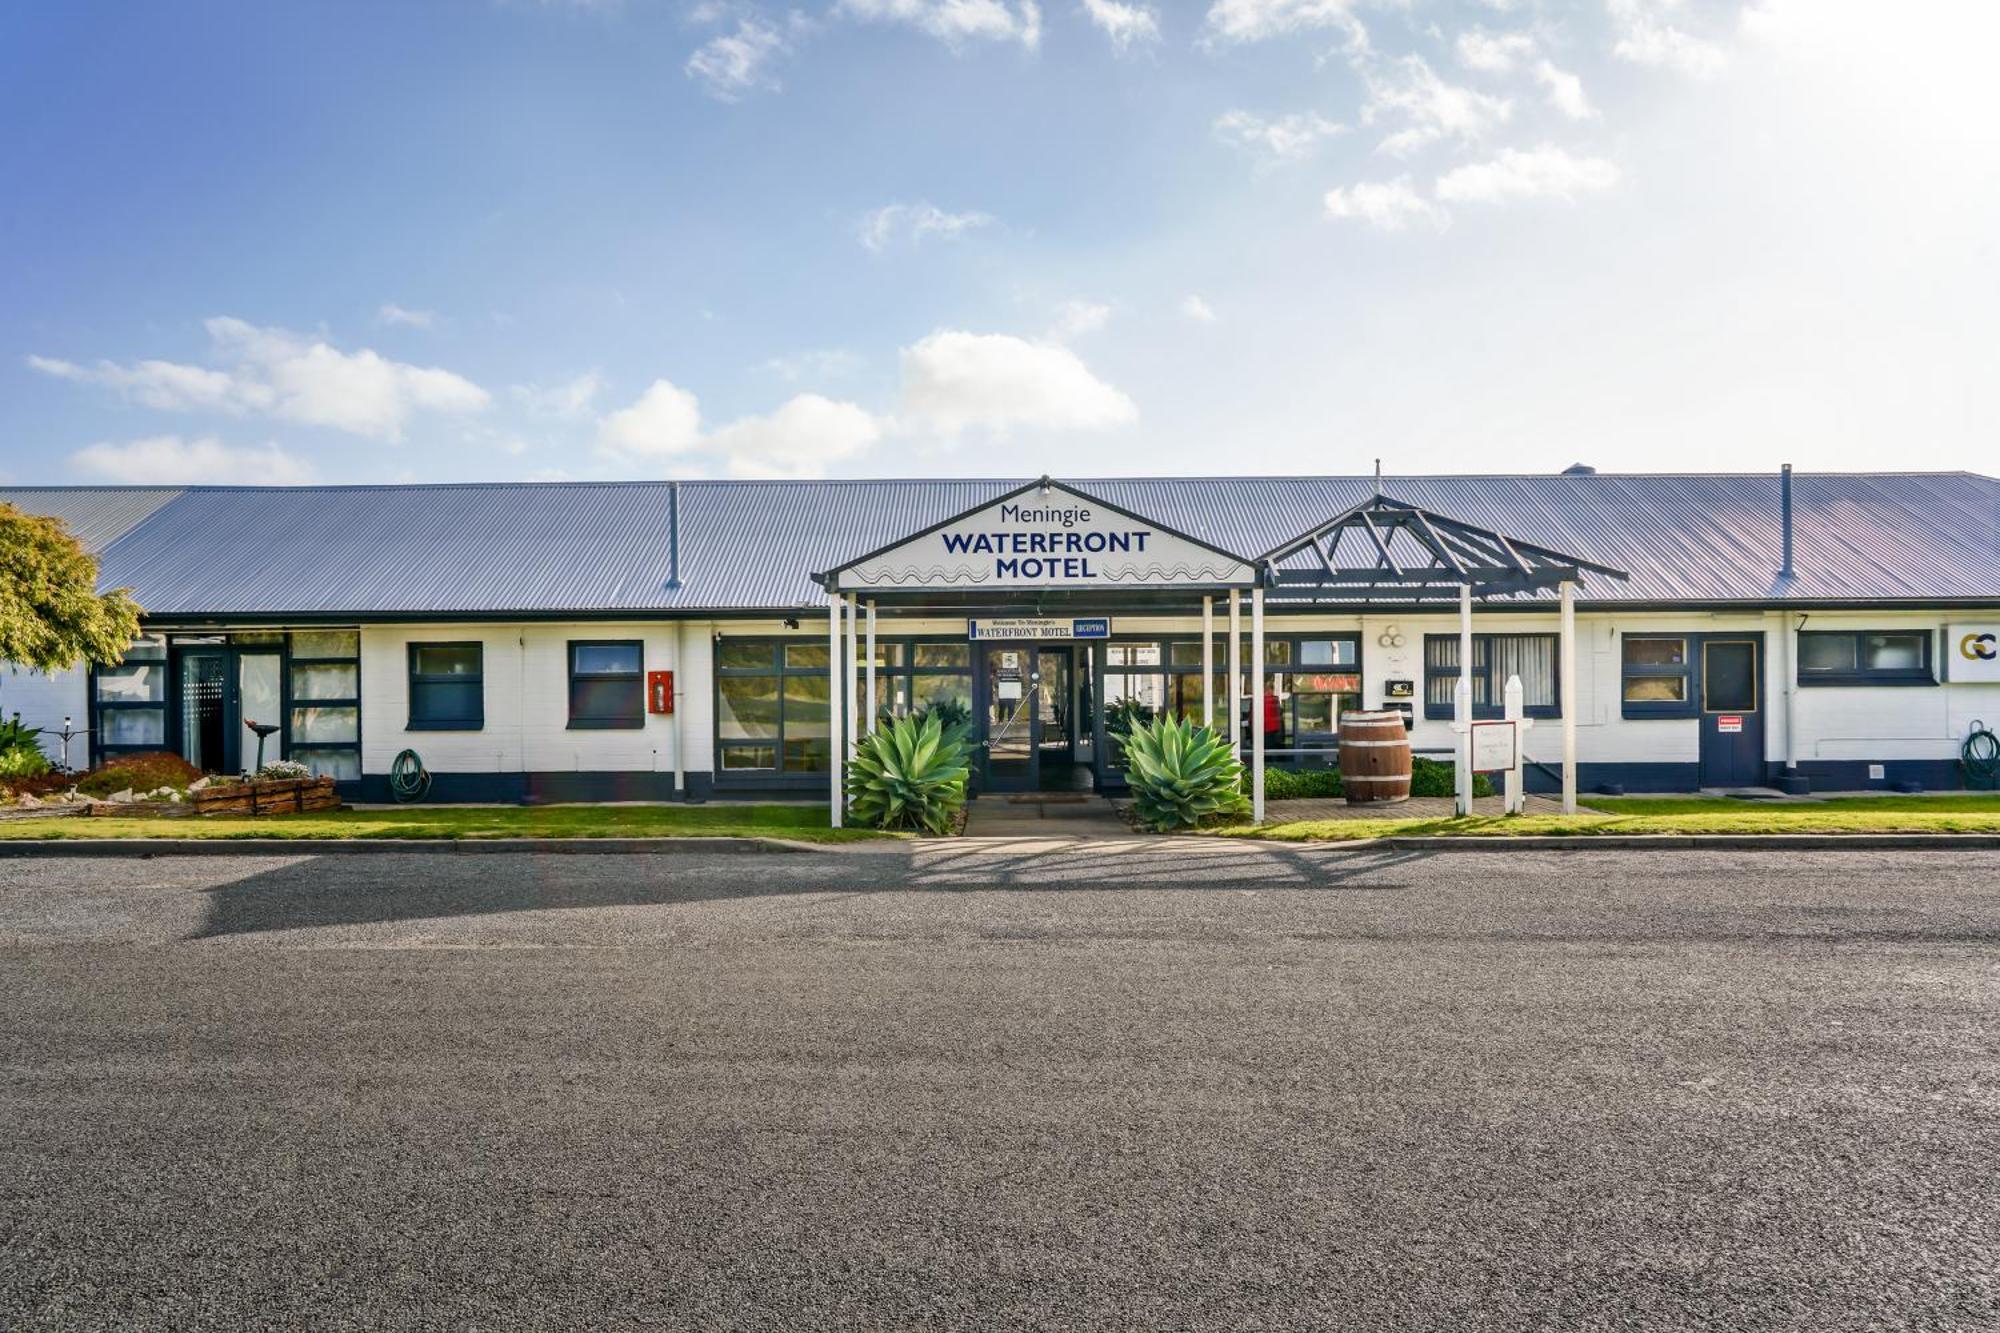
[[607, 700], [1856, 640], [1482, 677], [1685, 706], [428, 689]]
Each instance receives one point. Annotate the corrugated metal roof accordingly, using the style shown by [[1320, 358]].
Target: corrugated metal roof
[[96, 516], [598, 547]]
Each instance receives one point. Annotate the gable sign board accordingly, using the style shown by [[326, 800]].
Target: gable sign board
[[1046, 537], [1972, 653]]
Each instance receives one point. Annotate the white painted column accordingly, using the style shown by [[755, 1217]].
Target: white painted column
[[837, 749], [1235, 672], [1462, 700], [1788, 635], [847, 672], [1566, 688], [1208, 661], [673, 701], [1257, 704], [1513, 796], [868, 726]]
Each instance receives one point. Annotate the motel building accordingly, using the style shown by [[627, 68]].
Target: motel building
[[726, 639]]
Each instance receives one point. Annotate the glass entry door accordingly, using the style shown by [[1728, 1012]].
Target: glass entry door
[[260, 704], [202, 704], [1010, 714], [1054, 706]]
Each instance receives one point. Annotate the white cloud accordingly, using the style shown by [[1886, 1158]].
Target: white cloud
[[1409, 90], [1530, 174], [1646, 37], [274, 372], [913, 222], [955, 381], [1256, 20], [1074, 319], [1565, 91], [955, 22], [798, 440], [1284, 139], [1388, 205], [1196, 309], [730, 65], [1494, 53], [572, 397], [1126, 25], [168, 460], [391, 313], [663, 423]]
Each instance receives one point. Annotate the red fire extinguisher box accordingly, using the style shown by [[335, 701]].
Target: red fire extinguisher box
[[659, 691]]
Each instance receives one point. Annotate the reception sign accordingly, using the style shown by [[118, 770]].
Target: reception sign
[[1046, 535]]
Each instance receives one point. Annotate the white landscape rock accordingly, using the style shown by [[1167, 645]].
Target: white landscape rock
[[200, 783], [29, 801], [125, 797]]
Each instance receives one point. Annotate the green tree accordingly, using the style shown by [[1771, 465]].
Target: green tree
[[51, 614]]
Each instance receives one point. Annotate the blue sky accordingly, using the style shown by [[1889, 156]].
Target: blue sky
[[271, 242]]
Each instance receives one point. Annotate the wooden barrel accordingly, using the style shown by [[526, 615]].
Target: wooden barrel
[[1374, 758]]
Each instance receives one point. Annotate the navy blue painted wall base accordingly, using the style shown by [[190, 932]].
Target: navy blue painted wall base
[[1823, 775], [536, 788]]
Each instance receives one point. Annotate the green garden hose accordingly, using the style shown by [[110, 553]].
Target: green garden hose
[[1980, 757], [409, 780]]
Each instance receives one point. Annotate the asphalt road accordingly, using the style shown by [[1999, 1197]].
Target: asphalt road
[[1100, 1088]]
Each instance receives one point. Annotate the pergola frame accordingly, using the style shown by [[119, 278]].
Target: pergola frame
[[1419, 556]]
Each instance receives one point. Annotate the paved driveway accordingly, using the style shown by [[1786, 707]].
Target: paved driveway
[[1124, 1085]]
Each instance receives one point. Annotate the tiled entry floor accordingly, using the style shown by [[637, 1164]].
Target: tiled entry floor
[[1044, 815]]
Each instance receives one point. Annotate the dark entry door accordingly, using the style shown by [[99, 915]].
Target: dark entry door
[[202, 698], [1055, 694], [1732, 716], [1010, 717]]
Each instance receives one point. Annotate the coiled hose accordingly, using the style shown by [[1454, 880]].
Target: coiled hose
[[409, 780], [1980, 757]]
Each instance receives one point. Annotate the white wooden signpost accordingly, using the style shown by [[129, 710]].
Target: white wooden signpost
[[1492, 747]]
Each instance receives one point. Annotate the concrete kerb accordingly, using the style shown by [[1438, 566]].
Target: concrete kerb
[[755, 846], [18, 847]]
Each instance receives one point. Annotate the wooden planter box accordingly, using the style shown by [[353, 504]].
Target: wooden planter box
[[266, 796]]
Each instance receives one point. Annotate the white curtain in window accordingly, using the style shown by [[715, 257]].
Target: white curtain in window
[[1532, 657]]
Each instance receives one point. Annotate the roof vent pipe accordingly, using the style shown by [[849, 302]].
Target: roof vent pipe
[[1785, 515], [673, 534]]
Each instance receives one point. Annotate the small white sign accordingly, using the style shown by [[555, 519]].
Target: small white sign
[[1972, 653], [1496, 747], [1729, 722], [1040, 627]]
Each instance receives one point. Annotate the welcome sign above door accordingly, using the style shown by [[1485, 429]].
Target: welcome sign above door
[[1045, 535]]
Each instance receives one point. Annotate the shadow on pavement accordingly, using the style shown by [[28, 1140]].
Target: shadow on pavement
[[350, 891]]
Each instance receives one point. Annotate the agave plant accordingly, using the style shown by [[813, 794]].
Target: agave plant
[[910, 774], [1181, 774]]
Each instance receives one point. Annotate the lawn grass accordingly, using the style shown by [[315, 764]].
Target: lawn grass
[[1956, 813], [803, 823]]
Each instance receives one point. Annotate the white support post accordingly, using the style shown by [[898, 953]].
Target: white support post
[[1257, 705], [868, 726], [1235, 672], [848, 668], [837, 751], [1514, 796], [1208, 661], [1566, 690], [1462, 700]]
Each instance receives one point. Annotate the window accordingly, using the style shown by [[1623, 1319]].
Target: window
[[325, 736], [131, 703], [1654, 678], [1308, 682], [607, 685], [1495, 657], [773, 713], [447, 687], [1865, 657]]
